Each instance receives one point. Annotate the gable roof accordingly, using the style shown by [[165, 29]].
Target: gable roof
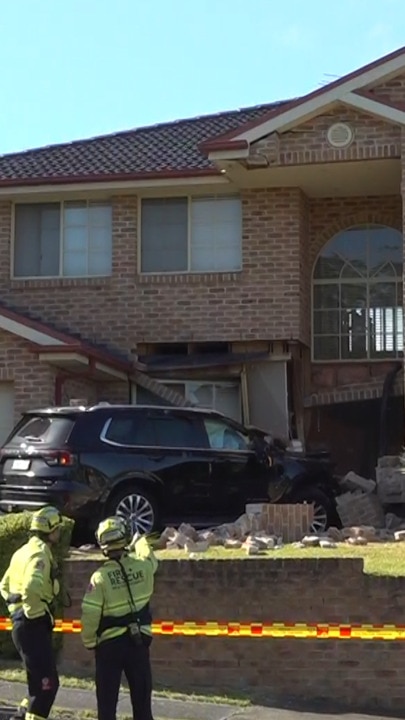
[[164, 150], [349, 89]]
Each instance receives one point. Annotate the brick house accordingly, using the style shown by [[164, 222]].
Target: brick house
[[249, 260]]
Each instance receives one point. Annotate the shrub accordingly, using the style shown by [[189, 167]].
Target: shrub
[[14, 529]]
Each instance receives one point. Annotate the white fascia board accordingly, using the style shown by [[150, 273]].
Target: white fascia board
[[368, 105], [109, 187], [28, 333], [111, 371], [216, 155]]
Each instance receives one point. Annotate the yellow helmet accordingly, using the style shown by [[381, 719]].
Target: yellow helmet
[[46, 520], [112, 533]]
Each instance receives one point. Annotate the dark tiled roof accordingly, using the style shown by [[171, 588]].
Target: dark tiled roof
[[164, 148]]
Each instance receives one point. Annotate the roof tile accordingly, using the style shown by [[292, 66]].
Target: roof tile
[[164, 148]]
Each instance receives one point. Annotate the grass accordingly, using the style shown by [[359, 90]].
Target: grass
[[379, 558], [11, 671]]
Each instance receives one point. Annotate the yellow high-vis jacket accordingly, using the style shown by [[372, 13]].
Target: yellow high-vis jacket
[[27, 586], [107, 608]]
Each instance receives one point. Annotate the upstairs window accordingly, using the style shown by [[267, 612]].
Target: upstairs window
[[68, 239], [191, 235], [358, 296]]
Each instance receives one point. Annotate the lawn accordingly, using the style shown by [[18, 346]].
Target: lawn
[[379, 558]]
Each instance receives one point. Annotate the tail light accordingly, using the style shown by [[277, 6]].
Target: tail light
[[60, 458]]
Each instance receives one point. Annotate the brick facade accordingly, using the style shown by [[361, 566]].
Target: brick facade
[[357, 674], [374, 139], [269, 300]]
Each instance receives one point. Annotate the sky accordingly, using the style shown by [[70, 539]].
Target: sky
[[73, 69]]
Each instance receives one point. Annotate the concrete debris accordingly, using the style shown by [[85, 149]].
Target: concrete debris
[[393, 522], [335, 534], [326, 543], [310, 540], [399, 535], [360, 508], [359, 540], [390, 473], [232, 544], [196, 546], [188, 531], [355, 482], [363, 531], [244, 533]]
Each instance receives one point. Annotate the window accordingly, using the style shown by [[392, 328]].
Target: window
[[223, 437], [357, 296], [39, 429], [69, 239], [132, 430], [168, 431], [191, 235], [175, 432], [222, 396]]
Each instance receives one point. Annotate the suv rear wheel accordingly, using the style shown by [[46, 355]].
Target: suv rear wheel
[[138, 507]]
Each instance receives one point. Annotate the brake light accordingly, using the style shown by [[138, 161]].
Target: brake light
[[59, 457]]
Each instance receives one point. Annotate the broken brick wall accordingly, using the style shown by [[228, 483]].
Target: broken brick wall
[[357, 673]]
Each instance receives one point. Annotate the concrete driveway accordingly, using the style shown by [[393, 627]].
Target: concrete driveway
[[166, 709]]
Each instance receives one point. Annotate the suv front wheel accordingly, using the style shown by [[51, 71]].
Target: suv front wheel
[[138, 508]]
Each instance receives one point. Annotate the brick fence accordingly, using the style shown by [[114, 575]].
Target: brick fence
[[359, 674]]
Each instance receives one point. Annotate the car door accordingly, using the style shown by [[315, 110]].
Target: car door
[[181, 439], [232, 462]]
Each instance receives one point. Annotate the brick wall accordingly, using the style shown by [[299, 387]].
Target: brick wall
[[269, 299], [393, 89], [358, 674], [33, 381], [261, 302], [308, 143]]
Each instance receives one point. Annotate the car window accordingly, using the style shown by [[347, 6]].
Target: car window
[[176, 432], [41, 429], [131, 431], [223, 437]]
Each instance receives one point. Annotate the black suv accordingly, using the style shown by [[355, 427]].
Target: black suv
[[153, 465]]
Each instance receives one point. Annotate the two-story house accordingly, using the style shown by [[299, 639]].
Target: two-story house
[[249, 260]]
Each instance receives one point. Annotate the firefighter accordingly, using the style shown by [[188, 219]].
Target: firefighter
[[116, 619], [29, 588]]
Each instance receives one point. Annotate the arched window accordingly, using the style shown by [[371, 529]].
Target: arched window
[[357, 295]]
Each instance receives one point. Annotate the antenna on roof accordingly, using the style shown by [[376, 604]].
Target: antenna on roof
[[329, 75]]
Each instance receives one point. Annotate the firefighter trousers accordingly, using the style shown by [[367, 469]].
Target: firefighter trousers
[[33, 641], [121, 655]]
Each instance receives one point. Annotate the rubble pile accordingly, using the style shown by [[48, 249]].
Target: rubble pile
[[245, 533], [356, 535], [369, 503]]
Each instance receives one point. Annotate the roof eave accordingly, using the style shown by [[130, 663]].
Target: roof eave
[[108, 178]]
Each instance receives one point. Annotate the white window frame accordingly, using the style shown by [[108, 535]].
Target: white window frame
[[186, 383], [189, 199], [350, 281], [60, 276]]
